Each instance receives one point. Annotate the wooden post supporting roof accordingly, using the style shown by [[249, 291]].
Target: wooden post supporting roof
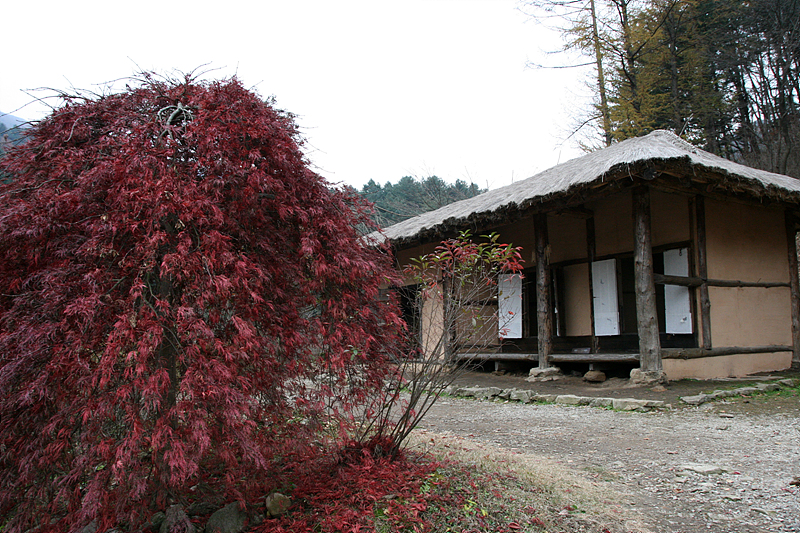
[[544, 314], [702, 270], [794, 285], [646, 317], [448, 322]]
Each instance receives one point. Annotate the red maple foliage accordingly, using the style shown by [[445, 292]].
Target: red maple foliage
[[343, 493], [174, 281]]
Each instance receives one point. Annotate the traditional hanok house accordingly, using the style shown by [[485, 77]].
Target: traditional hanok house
[[650, 253]]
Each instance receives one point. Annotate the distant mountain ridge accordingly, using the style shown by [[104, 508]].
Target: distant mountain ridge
[[11, 130], [9, 121]]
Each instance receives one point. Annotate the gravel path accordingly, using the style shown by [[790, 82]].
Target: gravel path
[[725, 466]]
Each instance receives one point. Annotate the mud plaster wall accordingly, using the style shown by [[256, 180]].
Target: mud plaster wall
[[726, 366], [669, 218], [576, 300], [747, 243], [750, 316], [520, 233], [613, 221], [476, 326], [404, 257], [566, 233], [613, 224], [431, 325], [476, 329], [567, 236]]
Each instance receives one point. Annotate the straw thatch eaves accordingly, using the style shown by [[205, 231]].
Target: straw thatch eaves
[[660, 157]]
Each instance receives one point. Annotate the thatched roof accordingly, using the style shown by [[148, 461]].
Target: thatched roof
[[610, 163]]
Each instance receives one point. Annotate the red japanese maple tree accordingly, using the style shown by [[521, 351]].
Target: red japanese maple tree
[[174, 281]]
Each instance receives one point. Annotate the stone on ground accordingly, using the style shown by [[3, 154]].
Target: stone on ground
[[201, 508], [277, 504], [522, 396], [594, 376], [478, 392], [229, 519], [156, 520], [176, 520], [602, 402], [536, 372], [640, 377], [544, 374], [632, 404], [703, 469], [571, 399], [695, 400]]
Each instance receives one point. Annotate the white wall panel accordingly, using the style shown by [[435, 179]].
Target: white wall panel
[[606, 305], [509, 303], [677, 300]]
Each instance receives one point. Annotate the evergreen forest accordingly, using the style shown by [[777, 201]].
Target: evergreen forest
[[723, 75], [411, 196]]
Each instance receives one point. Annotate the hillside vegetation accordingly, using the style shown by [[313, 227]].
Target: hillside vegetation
[[410, 197]]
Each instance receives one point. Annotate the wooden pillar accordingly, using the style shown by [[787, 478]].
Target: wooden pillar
[[448, 322], [702, 270], [543, 312], [646, 317], [591, 253], [794, 285]]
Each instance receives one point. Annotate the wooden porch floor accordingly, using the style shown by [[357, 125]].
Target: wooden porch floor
[[557, 357]]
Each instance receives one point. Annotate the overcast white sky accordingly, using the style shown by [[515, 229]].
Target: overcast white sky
[[383, 89]]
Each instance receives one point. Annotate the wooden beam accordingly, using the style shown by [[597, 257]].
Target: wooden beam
[[576, 212], [702, 270], [794, 284], [693, 281], [646, 314], [497, 356], [595, 358], [554, 358], [544, 314], [697, 353]]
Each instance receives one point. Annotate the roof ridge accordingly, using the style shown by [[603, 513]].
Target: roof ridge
[[676, 140]]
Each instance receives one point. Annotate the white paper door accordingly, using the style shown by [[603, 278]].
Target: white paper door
[[604, 288], [509, 303], [677, 300]]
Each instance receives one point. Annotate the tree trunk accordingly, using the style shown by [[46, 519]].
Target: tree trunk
[[702, 270], [646, 314], [543, 311], [601, 81]]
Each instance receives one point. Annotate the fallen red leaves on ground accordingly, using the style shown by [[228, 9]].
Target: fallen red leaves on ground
[[351, 492]]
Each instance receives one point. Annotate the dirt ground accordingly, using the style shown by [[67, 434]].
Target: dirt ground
[[721, 466]]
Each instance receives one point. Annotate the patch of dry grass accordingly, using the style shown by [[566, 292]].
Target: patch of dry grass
[[519, 492]]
